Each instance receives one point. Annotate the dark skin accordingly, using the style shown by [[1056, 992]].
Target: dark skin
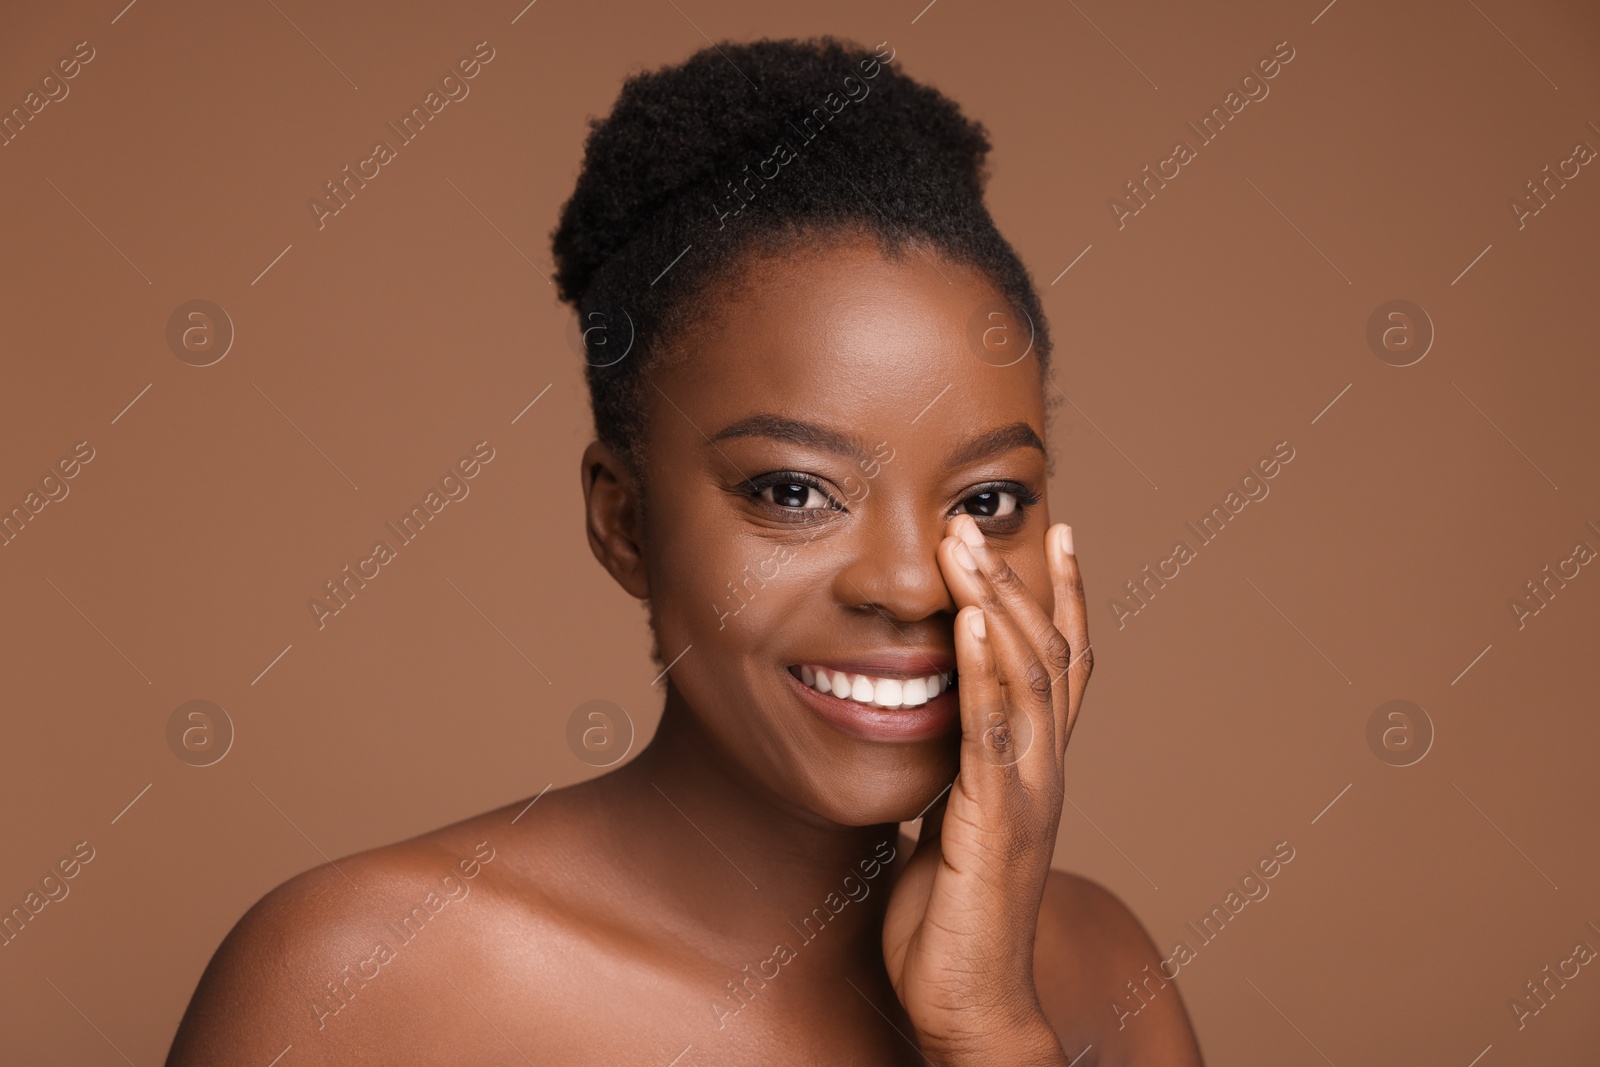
[[609, 919]]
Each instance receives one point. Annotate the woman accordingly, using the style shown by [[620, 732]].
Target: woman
[[817, 374]]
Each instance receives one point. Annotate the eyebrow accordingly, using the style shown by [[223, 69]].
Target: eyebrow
[[779, 428], [995, 442]]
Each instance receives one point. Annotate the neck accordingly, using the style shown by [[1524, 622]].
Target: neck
[[742, 870]]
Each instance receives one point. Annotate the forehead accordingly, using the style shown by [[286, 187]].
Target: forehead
[[840, 331]]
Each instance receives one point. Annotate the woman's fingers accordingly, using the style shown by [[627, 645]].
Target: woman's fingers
[[1048, 641], [988, 740], [1023, 713], [1043, 635], [978, 679]]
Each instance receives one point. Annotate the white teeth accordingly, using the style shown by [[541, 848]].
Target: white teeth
[[879, 692]]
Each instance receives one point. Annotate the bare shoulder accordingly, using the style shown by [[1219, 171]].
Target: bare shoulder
[[328, 960], [1088, 950]]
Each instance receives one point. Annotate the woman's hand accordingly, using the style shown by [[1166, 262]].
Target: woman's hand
[[959, 931]]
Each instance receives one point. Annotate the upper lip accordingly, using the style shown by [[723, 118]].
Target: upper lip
[[900, 663]]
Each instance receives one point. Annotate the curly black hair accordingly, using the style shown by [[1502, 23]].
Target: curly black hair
[[745, 148]]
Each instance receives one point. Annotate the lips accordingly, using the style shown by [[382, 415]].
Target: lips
[[893, 698]]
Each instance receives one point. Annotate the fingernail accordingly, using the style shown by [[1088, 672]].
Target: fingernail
[[979, 627], [968, 531], [964, 557], [1066, 540]]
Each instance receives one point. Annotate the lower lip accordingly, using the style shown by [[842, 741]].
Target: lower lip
[[872, 723]]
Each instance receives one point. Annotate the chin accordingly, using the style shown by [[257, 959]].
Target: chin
[[867, 788]]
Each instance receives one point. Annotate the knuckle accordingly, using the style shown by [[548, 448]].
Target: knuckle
[[997, 735], [1038, 680], [990, 601], [1086, 661], [1057, 651], [1004, 578]]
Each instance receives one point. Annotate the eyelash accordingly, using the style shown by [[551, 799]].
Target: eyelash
[[762, 482], [754, 487], [1026, 499]]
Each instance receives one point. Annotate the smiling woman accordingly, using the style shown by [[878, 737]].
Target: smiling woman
[[802, 404]]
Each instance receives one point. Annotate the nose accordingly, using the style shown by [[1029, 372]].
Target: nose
[[893, 568]]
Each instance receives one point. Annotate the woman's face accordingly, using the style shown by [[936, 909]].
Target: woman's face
[[805, 457]]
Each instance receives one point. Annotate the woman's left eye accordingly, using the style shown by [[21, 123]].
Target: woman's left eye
[[990, 504], [795, 495], [789, 496]]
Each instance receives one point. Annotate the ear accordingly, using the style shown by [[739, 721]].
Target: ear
[[613, 516]]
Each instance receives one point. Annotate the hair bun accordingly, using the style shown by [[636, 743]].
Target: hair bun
[[680, 137]]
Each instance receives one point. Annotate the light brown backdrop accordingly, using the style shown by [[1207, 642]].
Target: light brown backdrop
[[1228, 315]]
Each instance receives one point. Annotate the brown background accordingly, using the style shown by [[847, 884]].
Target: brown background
[[1222, 319]]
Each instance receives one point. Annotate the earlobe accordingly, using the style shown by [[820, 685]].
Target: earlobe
[[612, 514]]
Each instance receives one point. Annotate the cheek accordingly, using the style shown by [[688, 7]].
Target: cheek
[[717, 583]]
